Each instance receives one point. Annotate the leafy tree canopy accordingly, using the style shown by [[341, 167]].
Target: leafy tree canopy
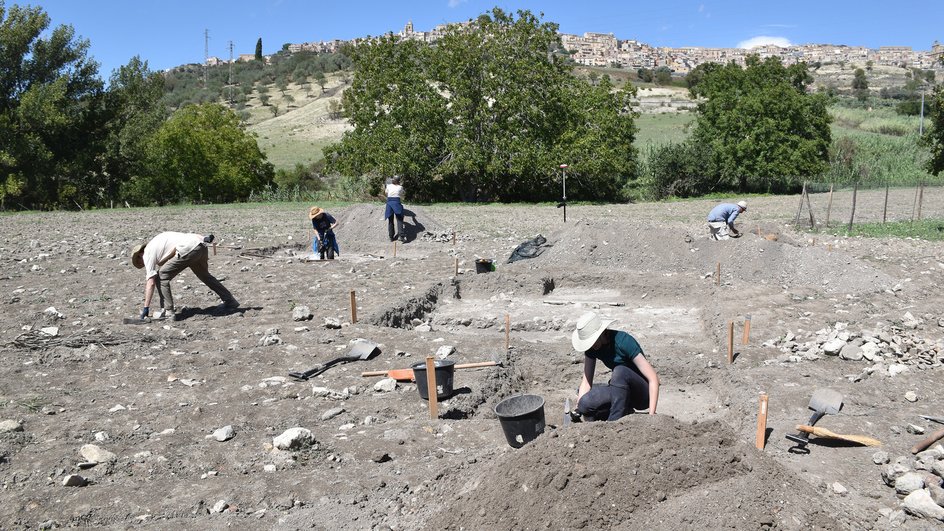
[[486, 112], [762, 127], [934, 138]]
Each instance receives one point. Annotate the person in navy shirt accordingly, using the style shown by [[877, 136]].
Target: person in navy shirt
[[324, 242], [721, 220], [633, 384]]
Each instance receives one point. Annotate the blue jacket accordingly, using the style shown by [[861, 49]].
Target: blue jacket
[[725, 212]]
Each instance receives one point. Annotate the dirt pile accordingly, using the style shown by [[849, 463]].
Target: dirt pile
[[363, 227], [640, 473], [752, 259]]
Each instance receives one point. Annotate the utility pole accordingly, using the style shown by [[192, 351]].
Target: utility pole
[[206, 56], [231, 100]]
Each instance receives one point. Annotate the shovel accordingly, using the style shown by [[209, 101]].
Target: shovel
[[822, 402], [363, 350]]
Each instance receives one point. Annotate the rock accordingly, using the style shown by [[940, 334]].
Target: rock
[[870, 351], [293, 439], [10, 425], [381, 457], [50, 330], [896, 369], [331, 413], [937, 494], [101, 436], [301, 313], [911, 396], [896, 518], [880, 457], [96, 454], [839, 489], [938, 468], [75, 480], [908, 483], [269, 468], [833, 347], [914, 429], [386, 385], [52, 314], [332, 322], [891, 473], [851, 352], [219, 506], [269, 340], [919, 503], [224, 434], [423, 328], [445, 351]]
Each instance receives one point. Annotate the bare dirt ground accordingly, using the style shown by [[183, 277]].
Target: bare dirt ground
[[150, 397]]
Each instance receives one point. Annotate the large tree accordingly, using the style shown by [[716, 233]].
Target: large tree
[[486, 112], [761, 125], [860, 85], [934, 138], [202, 153], [49, 100]]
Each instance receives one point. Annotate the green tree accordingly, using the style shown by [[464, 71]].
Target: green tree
[[486, 112], [321, 81], [860, 85], [663, 75], [259, 49], [135, 113], [50, 110], [762, 128], [644, 75], [934, 136], [202, 153]]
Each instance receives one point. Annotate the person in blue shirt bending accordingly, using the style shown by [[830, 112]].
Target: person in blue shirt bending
[[633, 384], [324, 242], [721, 220]]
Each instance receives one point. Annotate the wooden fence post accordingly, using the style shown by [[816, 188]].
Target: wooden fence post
[[885, 206], [829, 205], [855, 189], [920, 198], [810, 208], [796, 222]]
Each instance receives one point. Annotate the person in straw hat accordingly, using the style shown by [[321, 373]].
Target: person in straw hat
[[324, 243], [721, 220], [633, 384], [164, 257]]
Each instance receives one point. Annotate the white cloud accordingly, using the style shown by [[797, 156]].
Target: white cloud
[[762, 40], [456, 3]]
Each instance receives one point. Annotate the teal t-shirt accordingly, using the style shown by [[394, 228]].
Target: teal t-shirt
[[621, 350]]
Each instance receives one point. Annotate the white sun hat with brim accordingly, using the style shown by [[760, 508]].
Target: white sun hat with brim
[[589, 327], [742, 204]]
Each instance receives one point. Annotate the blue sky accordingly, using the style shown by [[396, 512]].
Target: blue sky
[[168, 33]]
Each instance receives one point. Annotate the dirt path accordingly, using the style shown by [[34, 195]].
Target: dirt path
[[154, 395]]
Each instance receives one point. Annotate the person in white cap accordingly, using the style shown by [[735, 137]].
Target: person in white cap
[[721, 220], [633, 384]]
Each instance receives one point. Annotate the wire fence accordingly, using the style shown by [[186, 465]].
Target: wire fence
[[824, 205]]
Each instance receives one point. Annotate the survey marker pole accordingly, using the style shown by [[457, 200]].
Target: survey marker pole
[[563, 203]]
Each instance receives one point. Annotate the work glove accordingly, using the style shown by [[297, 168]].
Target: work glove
[[208, 238], [144, 312]]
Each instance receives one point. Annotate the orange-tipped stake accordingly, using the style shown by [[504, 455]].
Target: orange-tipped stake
[[761, 423], [431, 388], [353, 307], [730, 341]]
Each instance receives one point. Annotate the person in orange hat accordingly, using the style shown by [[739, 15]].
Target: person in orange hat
[[325, 242], [633, 384], [164, 257]]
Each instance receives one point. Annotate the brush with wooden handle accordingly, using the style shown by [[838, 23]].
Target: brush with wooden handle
[[826, 434], [931, 439]]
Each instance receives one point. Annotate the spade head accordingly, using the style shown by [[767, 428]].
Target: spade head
[[826, 401]]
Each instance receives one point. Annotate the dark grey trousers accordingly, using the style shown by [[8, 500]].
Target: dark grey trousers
[[628, 390], [198, 262], [399, 233]]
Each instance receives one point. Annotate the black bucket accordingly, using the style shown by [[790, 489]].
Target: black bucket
[[445, 369], [522, 418], [484, 265]]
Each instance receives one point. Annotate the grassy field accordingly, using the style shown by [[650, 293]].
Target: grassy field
[[658, 129]]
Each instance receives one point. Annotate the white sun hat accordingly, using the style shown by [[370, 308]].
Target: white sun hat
[[589, 327], [742, 204]]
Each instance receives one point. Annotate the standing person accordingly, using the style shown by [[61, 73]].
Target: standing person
[[633, 384], [394, 193], [721, 220], [165, 257], [325, 243]]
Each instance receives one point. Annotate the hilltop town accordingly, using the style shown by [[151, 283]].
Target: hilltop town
[[606, 50]]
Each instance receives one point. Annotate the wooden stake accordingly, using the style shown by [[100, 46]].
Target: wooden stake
[[855, 188], [507, 331], [920, 198], [761, 423], [796, 222], [353, 307], [718, 274], [457, 267], [453, 238], [829, 205], [730, 341], [810, 208], [214, 249], [747, 330], [885, 207], [431, 388]]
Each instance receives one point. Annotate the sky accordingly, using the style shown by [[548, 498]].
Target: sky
[[168, 33]]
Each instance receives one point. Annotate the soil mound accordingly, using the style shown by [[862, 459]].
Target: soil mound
[[753, 259], [639, 473], [363, 226]]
